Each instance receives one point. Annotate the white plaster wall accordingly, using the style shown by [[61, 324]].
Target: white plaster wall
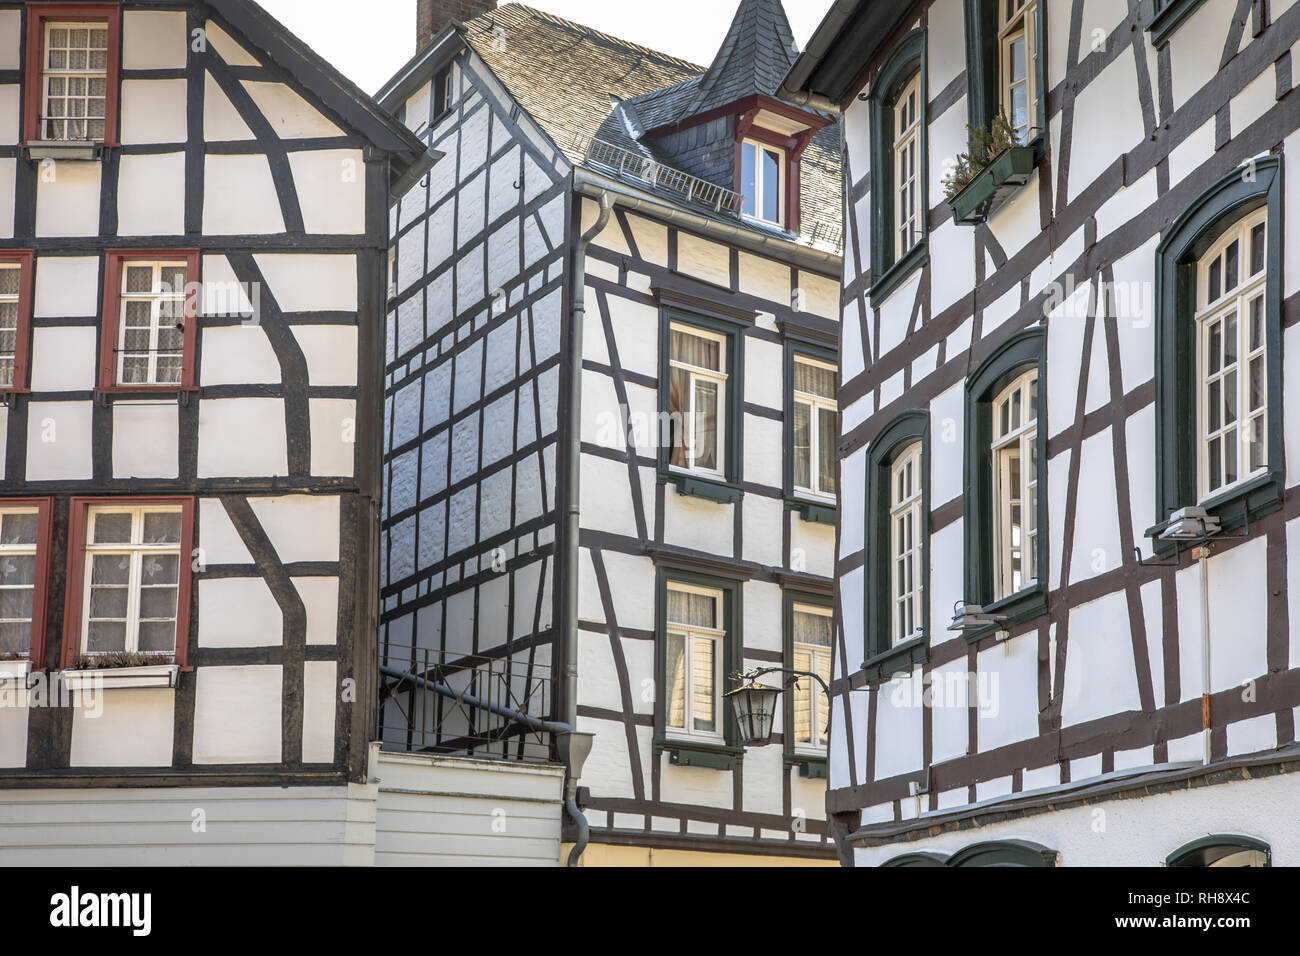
[[237, 714], [123, 727]]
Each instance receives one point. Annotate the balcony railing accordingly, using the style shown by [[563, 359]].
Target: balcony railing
[[433, 701]]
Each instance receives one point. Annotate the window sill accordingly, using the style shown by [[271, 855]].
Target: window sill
[[898, 273], [698, 753], [812, 766], [64, 151], [128, 393], [899, 659], [698, 486], [15, 672], [814, 512], [109, 678], [1254, 499], [1017, 608], [1168, 20], [995, 184]]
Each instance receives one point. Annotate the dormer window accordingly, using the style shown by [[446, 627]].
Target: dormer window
[[762, 181]]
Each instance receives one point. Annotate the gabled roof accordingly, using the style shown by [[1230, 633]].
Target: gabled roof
[[580, 85], [757, 53], [850, 36]]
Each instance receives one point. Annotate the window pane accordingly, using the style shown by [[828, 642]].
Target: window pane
[[705, 450], [675, 674], [802, 698], [16, 603], [158, 636], [679, 384], [15, 637], [771, 186], [18, 529], [17, 569], [161, 527], [106, 636], [109, 603], [692, 608], [112, 528], [1257, 454], [802, 445], [1257, 249], [748, 179], [1230, 456], [1216, 280], [1230, 267], [110, 569], [814, 379], [703, 686], [695, 350], [811, 628], [160, 568], [826, 450]]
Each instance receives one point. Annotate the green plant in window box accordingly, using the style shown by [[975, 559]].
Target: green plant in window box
[[113, 660], [994, 165]]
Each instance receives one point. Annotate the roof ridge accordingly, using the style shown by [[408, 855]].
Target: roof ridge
[[589, 31]]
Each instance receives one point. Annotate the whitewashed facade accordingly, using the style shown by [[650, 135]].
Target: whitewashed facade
[[1076, 723], [520, 239], [192, 224]]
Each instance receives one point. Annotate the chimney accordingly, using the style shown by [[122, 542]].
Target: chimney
[[432, 15]]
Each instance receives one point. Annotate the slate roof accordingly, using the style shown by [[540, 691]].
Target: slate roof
[[580, 84]]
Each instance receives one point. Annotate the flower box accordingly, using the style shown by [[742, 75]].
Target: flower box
[[108, 678], [15, 672], [994, 185]]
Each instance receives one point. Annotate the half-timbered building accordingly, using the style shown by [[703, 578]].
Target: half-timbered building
[[609, 469], [193, 225], [1064, 572]]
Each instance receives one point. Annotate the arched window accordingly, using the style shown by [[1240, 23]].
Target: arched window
[[1222, 850], [1006, 514], [1004, 853], [899, 168], [898, 548], [1218, 347]]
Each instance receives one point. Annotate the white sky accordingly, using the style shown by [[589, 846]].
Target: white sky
[[369, 41]]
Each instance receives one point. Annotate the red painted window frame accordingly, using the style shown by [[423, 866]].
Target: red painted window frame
[[41, 597], [22, 346], [114, 261], [74, 589], [791, 147], [38, 15]]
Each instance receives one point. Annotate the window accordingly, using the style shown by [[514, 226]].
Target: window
[[810, 651], [1006, 65], [905, 518], [15, 318], [1232, 358], [907, 165], [150, 321], [72, 73], [898, 546], [816, 427], [694, 655], [1006, 517], [1017, 53], [1219, 441], [899, 193], [697, 399], [442, 93], [1222, 851], [1014, 466], [128, 578], [762, 181], [25, 535]]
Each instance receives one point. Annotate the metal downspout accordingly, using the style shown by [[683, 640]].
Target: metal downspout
[[572, 507]]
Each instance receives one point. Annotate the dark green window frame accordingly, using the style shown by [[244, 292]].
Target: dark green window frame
[[700, 753], [1209, 850], [983, 77], [1237, 194], [1004, 853], [906, 61], [810, 509], [1167, 16], [809, 764], [1010, 359], [883, 658], [706, 486]]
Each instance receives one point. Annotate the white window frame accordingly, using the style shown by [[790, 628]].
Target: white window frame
[[23, 550], [759, 185], [908, 110], [14, 299], [690, 634], [816, 652], [67, 73], [1011, 557], [1232, 304], [1012, 27], [156, 297], [696, 372], [906, 589], [817, 404], [136, 550]]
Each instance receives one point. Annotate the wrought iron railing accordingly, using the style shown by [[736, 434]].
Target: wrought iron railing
[[434, 701]]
